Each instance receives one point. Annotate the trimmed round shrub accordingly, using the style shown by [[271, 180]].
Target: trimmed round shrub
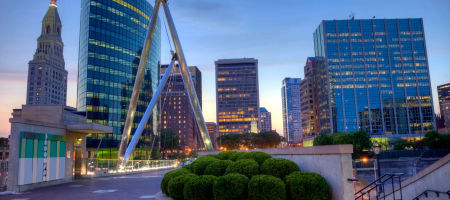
[[170, 175], [176, 185], [278, 167], [212, 156], [266, 187], [257, 156], [230, 187], [305, 186], [217, 168], [245, 167], [199, 188], [225, 155], [236, 155], [199, 165]]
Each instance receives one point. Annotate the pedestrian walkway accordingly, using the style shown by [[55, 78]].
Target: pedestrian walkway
[[135, 186]]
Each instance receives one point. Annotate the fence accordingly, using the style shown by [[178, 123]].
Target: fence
[[110, 166]]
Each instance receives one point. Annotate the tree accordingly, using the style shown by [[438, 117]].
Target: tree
[[250, 140], [230, 141], [4, 142], [168, 140], [324, 139], [434, 140], [401, 144], [360, 140], [267, 140]]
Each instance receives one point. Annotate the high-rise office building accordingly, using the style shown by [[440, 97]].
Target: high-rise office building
[[237, 95], [309, 96], [112, 35], [176, 111], [47, 78], [213, 133], [292, 123], [265, 120], [444, 104], [378, 76]]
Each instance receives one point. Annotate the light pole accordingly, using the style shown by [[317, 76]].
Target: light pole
[[376, 148]]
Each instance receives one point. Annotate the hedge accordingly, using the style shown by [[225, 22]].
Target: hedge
[[305, 186], [231, 187], [217, 168], [199, 165], [170, 175], [278, 167], [199, 188], [236, 155], [225, 155], [266, 187], [257, 156], [245, 167], [176, 185]]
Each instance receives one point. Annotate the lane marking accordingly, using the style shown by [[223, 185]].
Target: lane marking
[[104, 191], [147, 197]]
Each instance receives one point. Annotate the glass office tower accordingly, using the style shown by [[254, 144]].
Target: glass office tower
[[237, 95], [378, 75], [292, 121], [112, 34]]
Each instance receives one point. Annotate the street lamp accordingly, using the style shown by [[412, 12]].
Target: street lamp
[[376, 148]]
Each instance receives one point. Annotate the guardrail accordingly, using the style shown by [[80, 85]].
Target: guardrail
[[110, 166]]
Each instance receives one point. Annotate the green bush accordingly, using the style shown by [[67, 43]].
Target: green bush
[[176, 185], [212, 156], [306, 186], [199, 165], [245, 167], [170, 175], [230, 187], [266, 187], [278, 167], [217, 168], [257, 156], [199, 188], [236, 155], [225, 155]]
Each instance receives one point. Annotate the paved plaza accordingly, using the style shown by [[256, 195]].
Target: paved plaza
[[136, 186]]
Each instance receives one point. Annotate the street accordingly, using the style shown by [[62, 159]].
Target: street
[[136, 186]]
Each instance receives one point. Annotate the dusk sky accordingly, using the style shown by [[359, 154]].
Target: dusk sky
[[277, 33]]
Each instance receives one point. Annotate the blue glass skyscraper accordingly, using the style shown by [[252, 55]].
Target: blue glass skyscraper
[[292, 122], [378, 76], [112, 34]]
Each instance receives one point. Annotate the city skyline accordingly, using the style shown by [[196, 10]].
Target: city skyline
[[212, 30]]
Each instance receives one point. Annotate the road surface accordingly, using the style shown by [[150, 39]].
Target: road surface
[[136, 186]]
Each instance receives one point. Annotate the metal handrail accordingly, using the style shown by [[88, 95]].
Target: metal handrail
[[425, 193], [378, 184]]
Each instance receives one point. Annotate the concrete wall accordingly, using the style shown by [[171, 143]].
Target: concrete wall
[[333, 162], [434, 177]]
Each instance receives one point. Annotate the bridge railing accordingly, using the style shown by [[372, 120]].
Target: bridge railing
[[110, 166]]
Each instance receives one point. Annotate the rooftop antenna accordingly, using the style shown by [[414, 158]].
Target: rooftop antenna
[[352, 16]]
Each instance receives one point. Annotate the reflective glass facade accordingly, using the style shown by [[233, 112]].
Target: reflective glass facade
[[377, 74], [112, 34], [237, 95], [444, 104], [292, 122]]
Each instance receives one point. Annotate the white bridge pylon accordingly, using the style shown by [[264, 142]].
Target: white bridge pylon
[[126, 150]]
